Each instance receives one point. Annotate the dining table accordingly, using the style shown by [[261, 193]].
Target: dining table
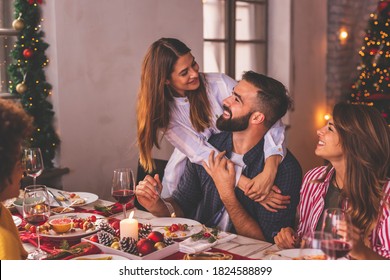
[[240, 247]]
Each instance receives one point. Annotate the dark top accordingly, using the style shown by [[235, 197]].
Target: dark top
[[199, 198]]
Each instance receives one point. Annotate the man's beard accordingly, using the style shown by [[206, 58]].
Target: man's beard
[[237, 124]]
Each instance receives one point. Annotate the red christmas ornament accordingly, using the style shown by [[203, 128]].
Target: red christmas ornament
[[27, 53], [33, 1], [383, 5], [373, 51]]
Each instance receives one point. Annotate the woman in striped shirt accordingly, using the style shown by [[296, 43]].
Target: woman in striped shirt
[[356, 143]]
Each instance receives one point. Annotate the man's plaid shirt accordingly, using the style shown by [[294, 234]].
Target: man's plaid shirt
[[199, 199]]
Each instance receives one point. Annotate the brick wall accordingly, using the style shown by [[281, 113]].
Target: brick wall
[[343, 59]]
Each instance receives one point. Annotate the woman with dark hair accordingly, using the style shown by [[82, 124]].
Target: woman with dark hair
[[15, 126], [175, 100], [357, 145]]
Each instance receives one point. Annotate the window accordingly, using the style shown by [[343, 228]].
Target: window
[[7, 40], [235, 36]]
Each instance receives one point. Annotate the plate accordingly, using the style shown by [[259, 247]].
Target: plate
[[100, 257], [17, 220], [298, 254], [88, 198], [159, 224], [72, 234]]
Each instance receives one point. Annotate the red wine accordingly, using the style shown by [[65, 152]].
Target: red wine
[[37, 220], [123, 196], [341, 248]]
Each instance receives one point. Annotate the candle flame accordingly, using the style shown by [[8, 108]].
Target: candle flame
[[131, 214]]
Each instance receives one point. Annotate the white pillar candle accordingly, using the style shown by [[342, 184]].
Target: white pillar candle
[[129, 227]]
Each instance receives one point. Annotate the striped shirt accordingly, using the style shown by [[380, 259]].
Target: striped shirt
[[312, 203], [192, 144]]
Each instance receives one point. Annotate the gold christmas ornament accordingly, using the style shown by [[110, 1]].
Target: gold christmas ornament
[[21, 87], [159, 245], [18, 24]]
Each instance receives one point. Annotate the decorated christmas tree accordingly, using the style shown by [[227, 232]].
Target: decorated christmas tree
[[372, 86], [27, 76]]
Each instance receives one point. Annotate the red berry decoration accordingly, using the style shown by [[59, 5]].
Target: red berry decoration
[[28, 53], [156, 236], [145, 246]]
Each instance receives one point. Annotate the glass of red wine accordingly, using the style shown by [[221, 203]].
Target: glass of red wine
[[338, 223], [36, 211], [317, 245], [123, 184]]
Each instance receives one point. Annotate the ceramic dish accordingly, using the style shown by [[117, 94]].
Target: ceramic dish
[[77, 232], [298, 254], [74, 199], [17, 220], [163, 224], [101, 257]]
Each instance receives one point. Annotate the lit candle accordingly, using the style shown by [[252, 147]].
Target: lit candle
[[129, 227]]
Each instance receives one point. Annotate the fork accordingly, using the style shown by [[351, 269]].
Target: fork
[[167, 204]]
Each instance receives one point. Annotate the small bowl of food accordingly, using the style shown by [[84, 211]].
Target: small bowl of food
[[61, 210], [18, 204], [61, 225]]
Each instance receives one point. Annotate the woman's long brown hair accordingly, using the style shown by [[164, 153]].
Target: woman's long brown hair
[[365, 140], [154, 97]]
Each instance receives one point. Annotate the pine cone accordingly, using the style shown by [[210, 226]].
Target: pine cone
[[128, 245], [144, 231], [105, 238], [104, 225], [168, 241]]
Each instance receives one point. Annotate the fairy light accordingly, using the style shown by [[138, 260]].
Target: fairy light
[[327, 117]]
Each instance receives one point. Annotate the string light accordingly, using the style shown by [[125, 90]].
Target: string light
[[327, 117]]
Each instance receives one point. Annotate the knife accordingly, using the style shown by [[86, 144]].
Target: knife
[[55, 198], [65, 198]]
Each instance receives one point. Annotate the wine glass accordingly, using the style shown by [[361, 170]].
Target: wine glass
[[337, 222], [36, 211], [317, 245], [123, 187], [32, 163]]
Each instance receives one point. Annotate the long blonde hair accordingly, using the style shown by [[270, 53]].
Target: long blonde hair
[[365, 140], [154, 97]]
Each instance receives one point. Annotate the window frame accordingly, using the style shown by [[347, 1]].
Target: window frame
[[230, 40], [6, 32]]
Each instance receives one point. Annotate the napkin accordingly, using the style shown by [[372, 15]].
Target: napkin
[[47, 244], [80, 249], [106, 210], [191, 246]]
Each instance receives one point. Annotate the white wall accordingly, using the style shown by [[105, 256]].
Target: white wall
[[279, 44], [96, 50], [308, 79]]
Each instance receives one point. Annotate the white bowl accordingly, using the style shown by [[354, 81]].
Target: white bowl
[[18, 203]]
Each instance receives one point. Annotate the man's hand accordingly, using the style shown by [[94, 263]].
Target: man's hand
[[286, 239], [148, 190], [274, 200], [221, 170]]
